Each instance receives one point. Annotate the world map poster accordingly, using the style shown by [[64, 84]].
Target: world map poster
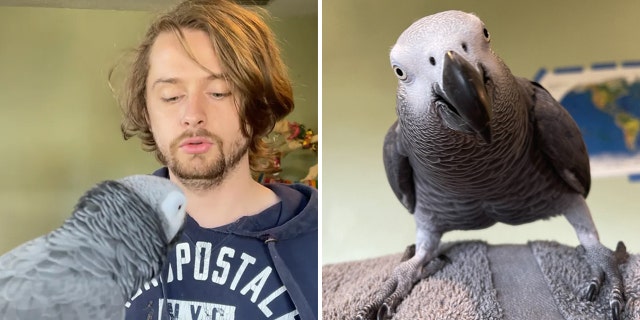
[[604, 100]]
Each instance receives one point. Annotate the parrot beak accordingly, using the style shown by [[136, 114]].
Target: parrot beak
[[465, 90]]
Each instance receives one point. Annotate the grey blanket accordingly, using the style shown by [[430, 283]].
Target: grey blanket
[[540, 280]]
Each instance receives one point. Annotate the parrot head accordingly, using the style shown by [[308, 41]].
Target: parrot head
[[166, 198], [445, 66]]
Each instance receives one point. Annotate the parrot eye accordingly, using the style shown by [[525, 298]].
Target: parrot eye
[[400, 73], [486, 34]]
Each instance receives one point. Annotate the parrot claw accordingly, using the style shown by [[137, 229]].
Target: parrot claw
[[409, 252], [605, 265], [621, 254], [384, 313], [616, 303], [434, 266], [592, 289], [616, 308], [365, 313], [398, 286]]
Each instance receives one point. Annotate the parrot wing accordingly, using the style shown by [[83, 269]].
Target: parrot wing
[[39, 283], [398, 169], [559, 137]]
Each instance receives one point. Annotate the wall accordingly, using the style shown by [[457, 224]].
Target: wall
[[299, 40], [60, 125], [360, 215]]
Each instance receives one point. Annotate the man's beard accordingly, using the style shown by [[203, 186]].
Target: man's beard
[[206, 175]]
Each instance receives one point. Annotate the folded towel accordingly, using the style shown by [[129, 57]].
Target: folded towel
[[539, 280]]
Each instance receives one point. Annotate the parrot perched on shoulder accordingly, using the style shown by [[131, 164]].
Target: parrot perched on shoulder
[[474, 145], [115, 241]]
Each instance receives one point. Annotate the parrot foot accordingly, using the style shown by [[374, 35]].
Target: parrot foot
[[604, 265], [398, 286]]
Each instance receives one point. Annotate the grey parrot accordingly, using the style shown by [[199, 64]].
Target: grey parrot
[[115, 240], [474, 145]]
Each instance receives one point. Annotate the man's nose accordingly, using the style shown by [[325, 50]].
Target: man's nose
[[194, 113]]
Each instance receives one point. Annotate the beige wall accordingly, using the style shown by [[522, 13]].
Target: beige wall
[[59, 124], [299, 40], [361, 216]]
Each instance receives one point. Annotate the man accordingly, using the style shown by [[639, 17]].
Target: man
[[206, 85]]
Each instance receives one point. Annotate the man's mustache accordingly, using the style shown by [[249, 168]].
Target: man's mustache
[[201, 132]]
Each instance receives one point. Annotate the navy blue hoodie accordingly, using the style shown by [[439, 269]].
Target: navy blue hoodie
[[263, 266]]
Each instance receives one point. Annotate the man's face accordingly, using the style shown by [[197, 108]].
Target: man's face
[[192, 112]]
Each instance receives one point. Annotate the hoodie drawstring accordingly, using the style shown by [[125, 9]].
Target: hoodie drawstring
[[164, 297], [302, 305]]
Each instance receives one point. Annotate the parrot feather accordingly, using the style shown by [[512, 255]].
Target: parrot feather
[[115, 240]]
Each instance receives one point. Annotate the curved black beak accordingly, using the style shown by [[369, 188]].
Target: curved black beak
[[465, 90]]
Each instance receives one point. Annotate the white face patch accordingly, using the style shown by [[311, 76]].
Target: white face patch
[[174, 209], [417, 58]]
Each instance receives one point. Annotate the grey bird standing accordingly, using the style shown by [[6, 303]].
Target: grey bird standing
[[473, 145], [114, 242]]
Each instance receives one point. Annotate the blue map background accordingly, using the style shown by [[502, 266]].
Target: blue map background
[[604, 100], [597, 107]]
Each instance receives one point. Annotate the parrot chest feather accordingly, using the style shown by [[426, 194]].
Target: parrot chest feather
[[463, 184]]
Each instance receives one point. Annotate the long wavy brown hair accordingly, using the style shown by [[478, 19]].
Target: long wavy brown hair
[[250, 59]]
